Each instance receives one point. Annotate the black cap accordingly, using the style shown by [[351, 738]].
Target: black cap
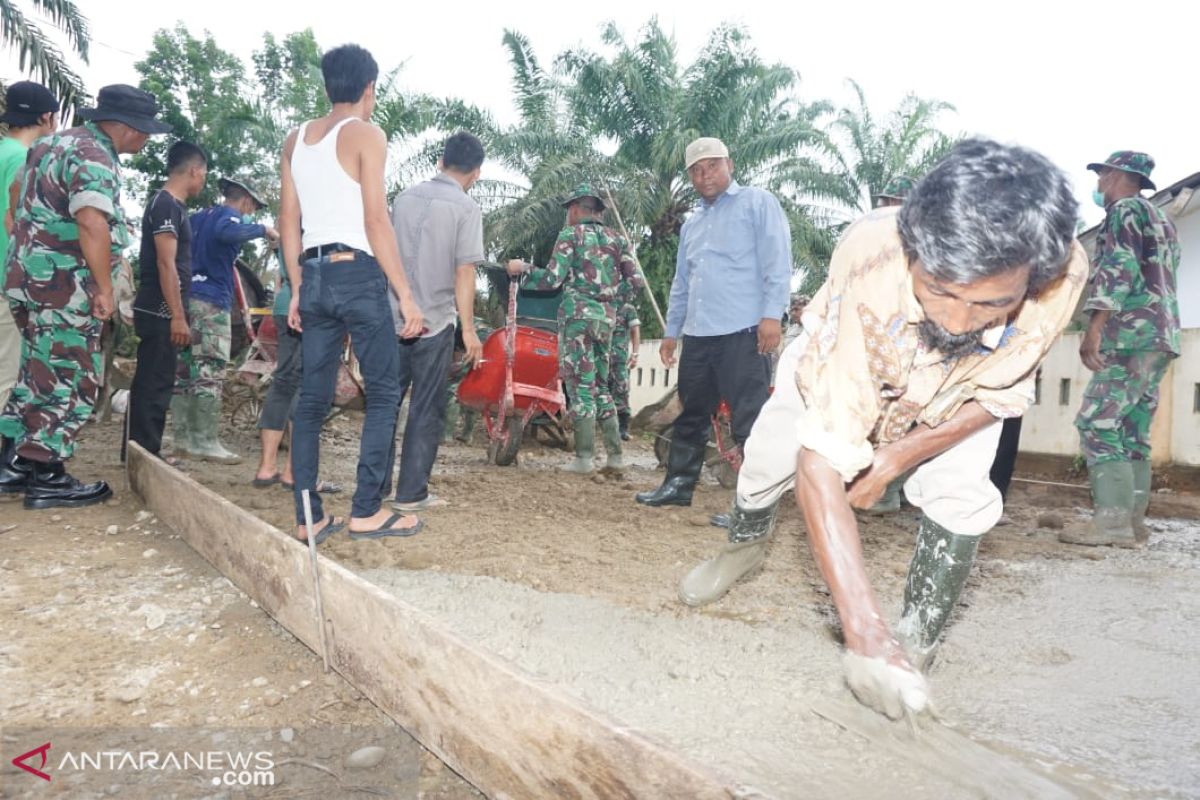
[[25, 102], [127, 104]]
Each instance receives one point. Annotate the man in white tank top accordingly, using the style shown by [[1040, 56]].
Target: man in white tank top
[[341, 257]]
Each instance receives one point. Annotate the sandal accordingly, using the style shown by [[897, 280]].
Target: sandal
[[334, 525], [262, 483], [386, 529]]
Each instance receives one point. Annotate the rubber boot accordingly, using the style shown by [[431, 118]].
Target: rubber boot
[[611, 432], [468, 428], [1141, 500], [936, 576], [1111, 524], [890, 502], [683, 470], [452, 415], [585, 446], [749, 532], [183, 441], [623, 425], [206, 422]]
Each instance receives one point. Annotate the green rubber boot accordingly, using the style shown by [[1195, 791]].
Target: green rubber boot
[[1141, 500], [1111, 524], [890, 502], [936, 577], [206, 423], [451, 425], [183, 443], [585, 446], [749, 533], [611, 431]]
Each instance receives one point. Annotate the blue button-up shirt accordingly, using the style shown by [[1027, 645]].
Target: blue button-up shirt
[[734, 266]]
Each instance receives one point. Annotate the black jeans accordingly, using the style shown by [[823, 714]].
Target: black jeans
[[339, 297], [153, 380], [1006, 455], [425, 368], [715, 368]]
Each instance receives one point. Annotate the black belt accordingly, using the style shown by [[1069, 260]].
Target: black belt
[[322, 250]]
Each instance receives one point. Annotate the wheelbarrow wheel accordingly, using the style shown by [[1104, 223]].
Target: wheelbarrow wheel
[[725, 474], [503, 450]]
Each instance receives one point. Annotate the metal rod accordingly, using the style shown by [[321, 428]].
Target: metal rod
[[646, 284], [1053, 483], [312, 560]]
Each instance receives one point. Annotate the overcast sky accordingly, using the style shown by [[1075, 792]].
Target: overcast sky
[[1073, 80]]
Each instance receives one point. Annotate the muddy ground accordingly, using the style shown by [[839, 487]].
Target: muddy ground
[[1083, 661]]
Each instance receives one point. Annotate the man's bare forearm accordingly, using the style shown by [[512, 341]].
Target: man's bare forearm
[[923, 442], [833, 536]]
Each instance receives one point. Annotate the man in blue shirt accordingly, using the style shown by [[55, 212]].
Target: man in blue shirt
[[218, 234], [731, 287]]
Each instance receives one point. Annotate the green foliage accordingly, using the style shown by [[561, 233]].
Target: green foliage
[[40, 56]]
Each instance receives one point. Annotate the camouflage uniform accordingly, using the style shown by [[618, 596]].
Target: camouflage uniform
[[49, 287], [1133, 276], [590, 262], [202, 364], [618, 364]]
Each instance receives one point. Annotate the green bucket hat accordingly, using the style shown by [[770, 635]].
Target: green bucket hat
[[1129, 161], [898, 188], [584, 190]]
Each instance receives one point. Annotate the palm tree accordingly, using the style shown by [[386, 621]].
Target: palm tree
[[623, 120], [41, 56], [870, 152]]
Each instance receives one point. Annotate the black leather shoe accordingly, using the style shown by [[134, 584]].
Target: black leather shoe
[[14, 471], [683, 470], [51, 486]]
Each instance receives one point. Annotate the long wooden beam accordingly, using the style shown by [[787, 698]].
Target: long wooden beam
[[504, 731]]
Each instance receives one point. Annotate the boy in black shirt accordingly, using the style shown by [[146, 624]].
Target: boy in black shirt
[[159, 315]]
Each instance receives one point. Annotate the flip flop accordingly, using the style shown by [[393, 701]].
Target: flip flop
[[325, 487], [386, 529], [334, 525], [262, 483]]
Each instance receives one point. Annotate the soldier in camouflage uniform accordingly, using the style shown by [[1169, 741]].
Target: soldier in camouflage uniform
[[1130, 341], [68, 233], [590, 261], [895, 191], [626, 338]]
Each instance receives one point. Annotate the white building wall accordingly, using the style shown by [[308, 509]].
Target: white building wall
[[1049, 426]]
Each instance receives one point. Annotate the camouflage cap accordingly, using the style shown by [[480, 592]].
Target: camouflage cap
[[1129, 161], [898, 187], [584, 190]]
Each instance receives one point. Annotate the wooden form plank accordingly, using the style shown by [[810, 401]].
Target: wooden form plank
[[506, 732]]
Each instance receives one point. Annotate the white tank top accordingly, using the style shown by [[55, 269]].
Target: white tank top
[[331, 208]]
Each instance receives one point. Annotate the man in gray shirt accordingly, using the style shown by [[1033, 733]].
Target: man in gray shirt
[[440, 232]]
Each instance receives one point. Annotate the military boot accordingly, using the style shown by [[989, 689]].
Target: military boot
[[14, 470], [51, 486], [936, 576], [1112, 508], [206, 424], [1141, 500], [182, 442], [610, 429], [585, 446], [749, 532], [683, 470]]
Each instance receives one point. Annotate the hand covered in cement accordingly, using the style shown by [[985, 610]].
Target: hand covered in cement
[[891, 690]]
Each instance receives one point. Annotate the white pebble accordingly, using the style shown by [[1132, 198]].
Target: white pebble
[[113, 530], [151, 553], [287, 735], [259, 682], [365, 758]]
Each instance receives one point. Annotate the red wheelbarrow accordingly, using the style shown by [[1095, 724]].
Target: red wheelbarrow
[[516, 379]]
